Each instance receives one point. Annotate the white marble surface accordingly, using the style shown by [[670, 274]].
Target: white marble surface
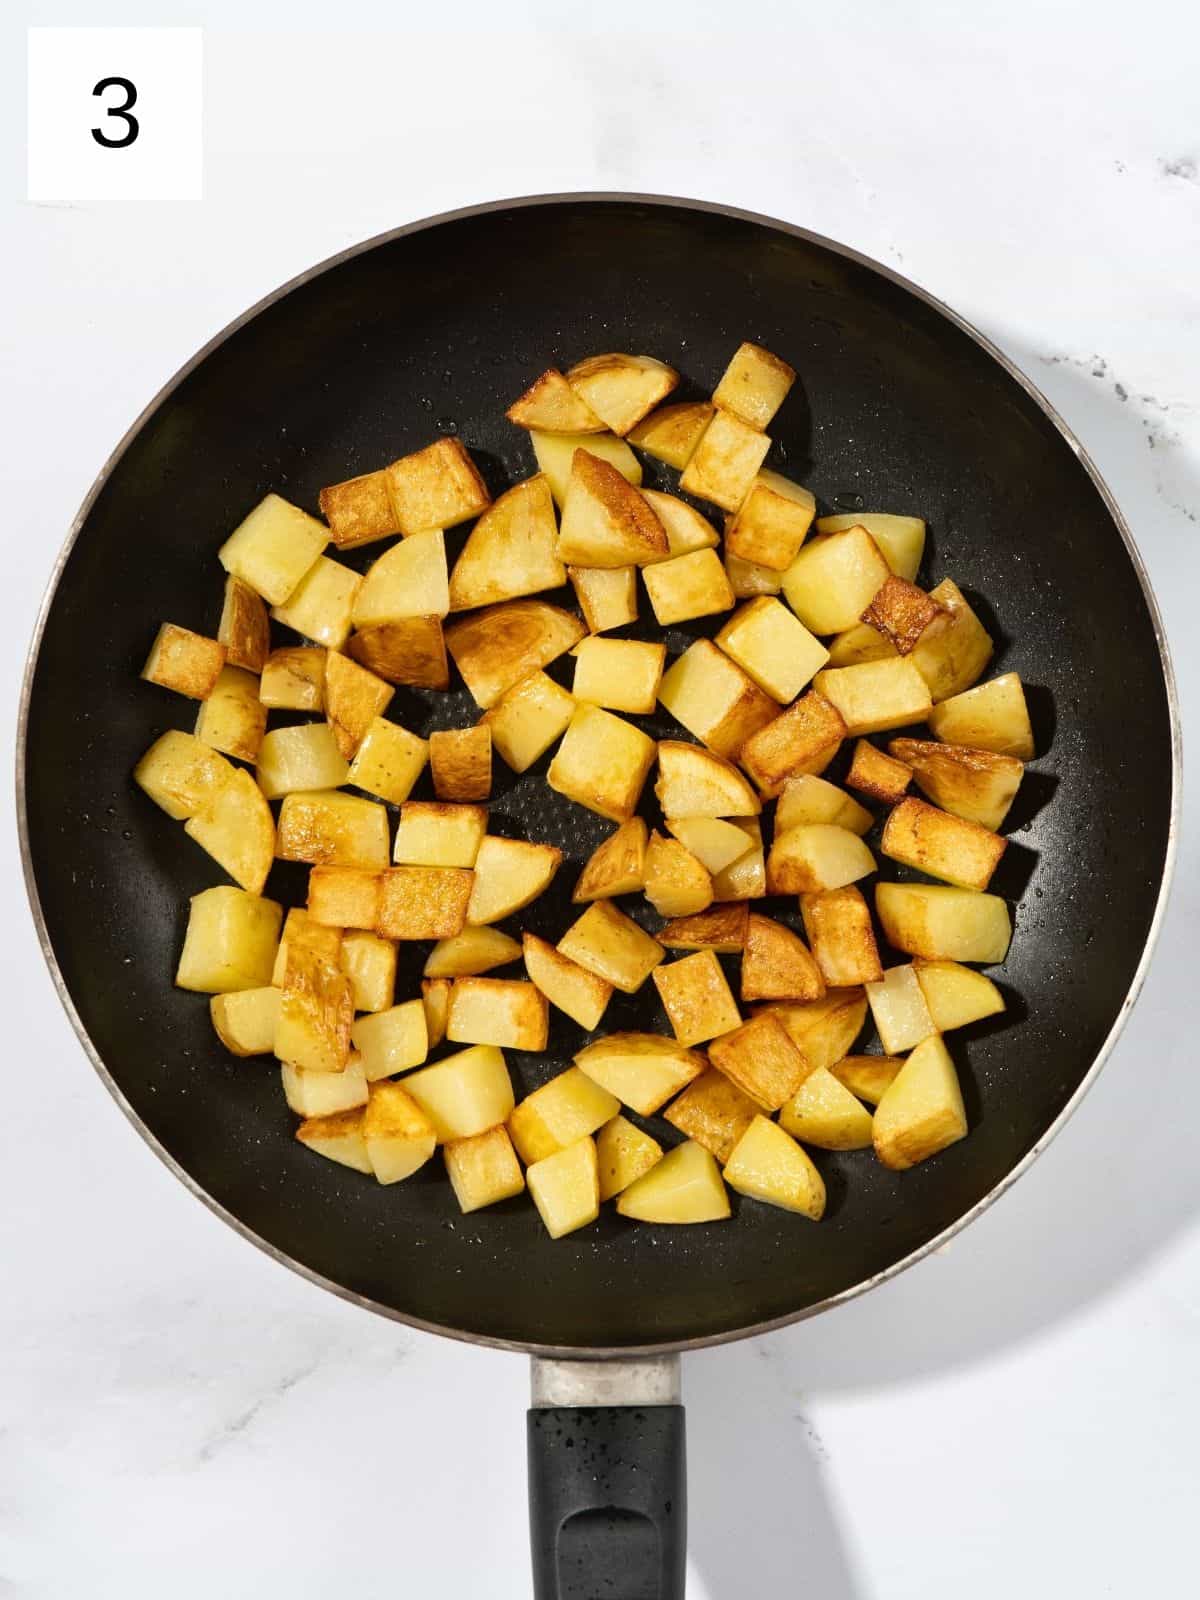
[[178, 1414]]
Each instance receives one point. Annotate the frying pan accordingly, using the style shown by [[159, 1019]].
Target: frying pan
[[435, 328]]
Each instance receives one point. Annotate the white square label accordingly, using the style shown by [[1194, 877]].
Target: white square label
[[115, 114]]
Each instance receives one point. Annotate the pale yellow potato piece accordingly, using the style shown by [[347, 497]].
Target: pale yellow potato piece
[[233, 719], [992, 716], [566, 1109], [471, 952], [767, 1164], [245, 1020], [324, 1094], [697, 998], [976, 784], [685, 1186], [876, 695], [643, 1070], [528, 718], [955, 648], [944, 924], [328, 829], [616, 866], [803, 739], [435, 997], [922, 1112], [943, 846], [898, 1006], [901, 539], [621, 389], [618, 674], [294, 679], [693, 782], [437, 833], [714, 699], [671, 433], [244, 628], [181, 774], [389, 761], [566, 1188], [552, 405], [605, 521], [409, 580], [685, 528], [956, 995], [370, 964], [834, 578], [556, 451], [466, 1094], [437, 487], [687, 586], [816, 856], [745, 878], [677, 884], [714, 1112], [502, 1011], [495, 648], [747, 578], [602, 763], [321, 604], [773, 647], [575, 991], [302, 757], [358, 510], [771, 523], [273, 548], [344, 897], [862, 642], [483, 1170], [809, 799], [754, 385], [777, 964], [338, 1138], [510, 550], [715, 843], [237, 830], [824, 1113], [398, 1135], [460, 763], [606, 942], [762, 1059], [423, 902], [825, 1030], [607, 595], [725, 462], [391, 1041], [840, 936], [509, 874], [354, 698], [623, 1154]]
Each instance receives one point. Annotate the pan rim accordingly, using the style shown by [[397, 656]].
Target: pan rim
[[775, 225]]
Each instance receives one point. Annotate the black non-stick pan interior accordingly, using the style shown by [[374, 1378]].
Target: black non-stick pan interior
[[435, 331]]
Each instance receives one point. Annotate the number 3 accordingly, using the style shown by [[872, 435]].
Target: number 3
[[123, 111]]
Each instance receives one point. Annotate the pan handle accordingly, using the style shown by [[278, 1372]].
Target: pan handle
[[607, 1480]]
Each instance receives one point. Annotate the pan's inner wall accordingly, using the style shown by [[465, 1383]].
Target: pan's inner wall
[[439, 330]]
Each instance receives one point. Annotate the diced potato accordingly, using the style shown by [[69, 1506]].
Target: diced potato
[[922, 1112], [955, 995], [686, 529], [359, 510], [767, 1164], [943, 846], [245, 1020], [389, 761], [761, 1058], [777, 964], [483, 1170], [901, 539], [859, 643], [398, 1135], [370, 964], [602, 763], [811, 799], [976, 784], [898, 1007], [528, 718], [882, 777], [754, 385], [354, 699], [840, 936], [697, 998], [303, 757], [685, 1186], [623, 1154], [343, 897], [725, 462], [273, 548], [944, 924], [460, 763], [409, 580], [772, 647], [316, 1011], [496, 647], [294, 679], [866, 1077], [238, 831], [423, 902], [466, 1094], [747, 579], [721, 928], [617, 866], [510, 550], [320, 605], [566, 1188], [619, 674], [328, 829], [324, 1094], [299, 929], [605, 521], [566, 1109], [411, 651], [876, 695], [181, 774], [901, 612], [233, 719], [643, 1070], [770, 525], [471, 952], [607, 596], [184, 661], [338, 1138], [502, 1011], [824, 1113], [437, 487], [671, 433], [579, 993], [509, 875], [688, 586], [677, 884], [552, 405], [715, 843], [695, 783], [391, 1041], [435, 833], [556, 451], [803, 739], [834, 579], [621, 389], [745, 878], [992, 716], [608, 943], [714, 1112], [244, 629], [814, 857], [435, 997], [955, 648], [714, 699], [824, 1030]]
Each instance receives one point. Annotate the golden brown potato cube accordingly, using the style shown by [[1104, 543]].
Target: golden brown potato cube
[[435, 997], [370, 964], [714, 1112], [762, 1060], [328, 829], [684, 1187], [300, 929], [237, 830], [566, 1188], [184, 661], [398, 1134], [725, 462], [812, 799], [483, 1170], [745, 878], [902, 1018], [460, 763], [245, 1020], [434, 833], [181, 774], [900, 539], [244, 629], [859, 643], [343, 897], [617, 866], [768, 1165], [618, 674], [687, 586], [881, 776], [621, 389], [944, 924], [233, 719], [509, 875], [901, 612], [411, 650], [502, 1011], [555, 454], [338, 1138], [569, 1107], [316, 1012], [754, 385], [834, 579], [579, 993], [294, 679], [960, 852], [320, 605], [389, 760], [528, 718], [607, 596], [273, 548], [602, 763], [510, 550], [623, 1154], [230, 941], [697, 998], [803, 739], [773, 647], [992, 716], [685, 528], [437, 487], [747, 579], [643, 1070], [876, 695], [677, 884], [921, 1111], [671, 433], [866, 1077], [423, 902], [465, 1094], [824, 1030], [692, 782], [498, 646], [777, 964], [955, 648], [552, 405], [605, 521], [714, 699], [358, 511], [976, 784], [840, 936], [354, 698], [314, 1095], [721, 928], [772, 522], [306, 756], [391, 1041], [471, 952], [608, 943]]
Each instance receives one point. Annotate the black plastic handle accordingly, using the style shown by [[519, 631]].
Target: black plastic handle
[[608, 1502]]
